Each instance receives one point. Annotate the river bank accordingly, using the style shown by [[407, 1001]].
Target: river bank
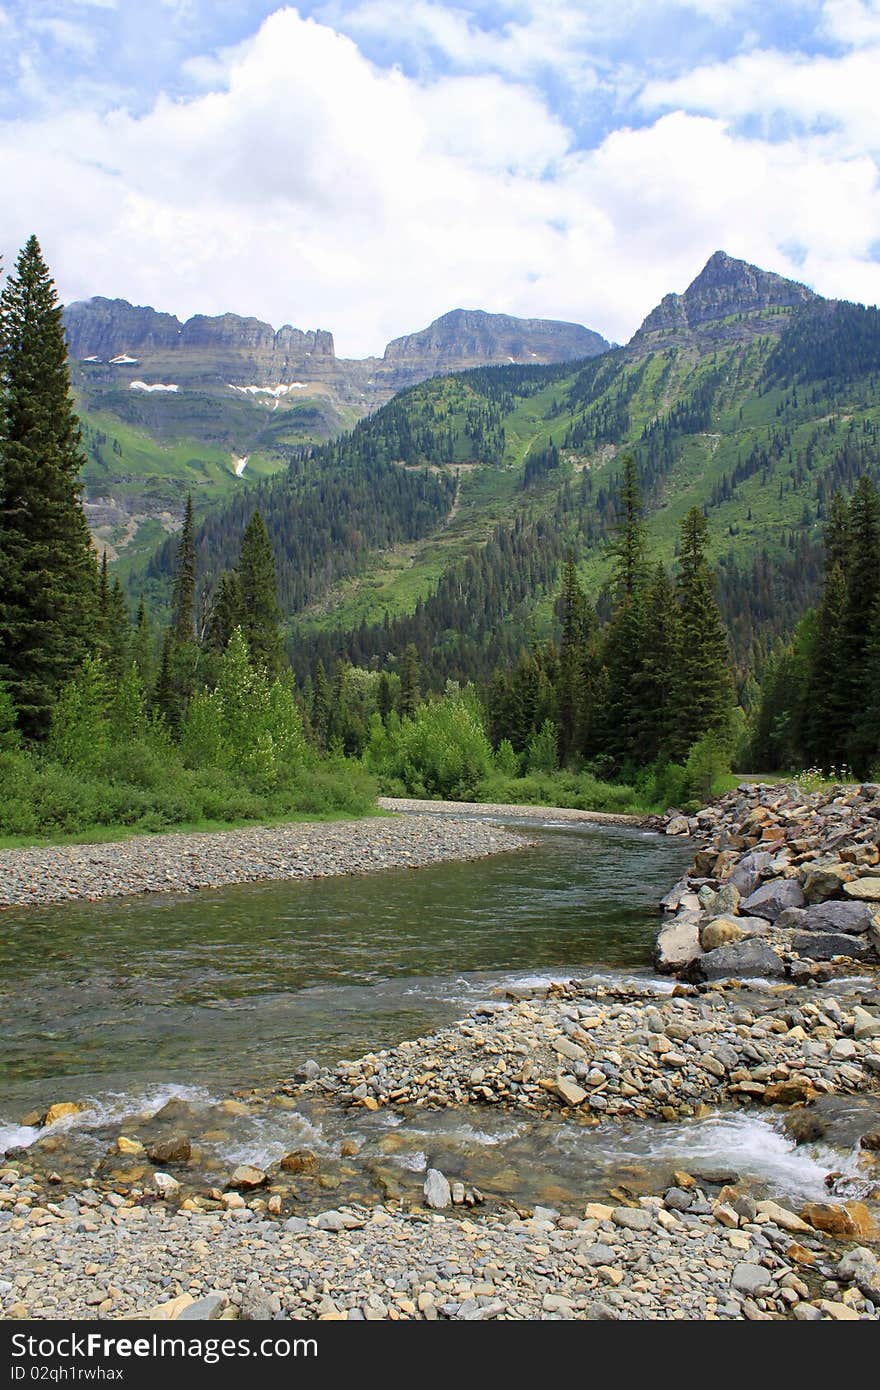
[[369, 1214], [184, 863]]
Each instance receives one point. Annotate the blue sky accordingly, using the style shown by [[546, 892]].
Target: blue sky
[[366, 166]]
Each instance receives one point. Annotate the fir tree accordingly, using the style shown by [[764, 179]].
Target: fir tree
[[320, 709], [410, 676], [702, 688], [660, 644], [573, 611], [862, 594], [47, 569], [183, 603], [143, 647], [226, 612], [623, 714], [258, 588]]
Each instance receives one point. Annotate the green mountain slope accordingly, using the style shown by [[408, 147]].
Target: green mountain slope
[[747, 396]]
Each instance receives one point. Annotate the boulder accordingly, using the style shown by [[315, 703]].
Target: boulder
[[246, 1177], [438, 1193], [177, 1149], [773, 897], [865, 1025], [165, 1185], [130, 1147], [719, 932], [855, 918], [750, 870], [852, 1219], [747, 959], [825, 945], [866, 890], [678, 943], [678, 826], [793, 1091], [206, 1309], [62, 1111], [825, 878], [568, 1091], [300, 1161]]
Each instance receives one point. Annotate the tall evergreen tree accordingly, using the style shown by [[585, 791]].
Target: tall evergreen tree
[[226, 612], [47, 569], [623, 714], [862, 594], [183, 603], [702, 686], [321, 701], [573, 611], [410, 676], [660, 644], [143, 648], [258, 589]]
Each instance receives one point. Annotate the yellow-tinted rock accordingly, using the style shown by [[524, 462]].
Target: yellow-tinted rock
[[62, 1110], [129, 1146], [853, 1219]]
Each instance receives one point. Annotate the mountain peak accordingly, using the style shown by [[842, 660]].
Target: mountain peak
[[465, 338], [726, 288]]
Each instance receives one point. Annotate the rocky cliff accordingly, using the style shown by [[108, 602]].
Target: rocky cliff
[[729, 300], [114, 343]]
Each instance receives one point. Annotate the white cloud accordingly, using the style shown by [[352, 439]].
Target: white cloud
[[852, 21], [307, 185]]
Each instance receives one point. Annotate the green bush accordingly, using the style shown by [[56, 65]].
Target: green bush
[[443, 751], [708, 762]]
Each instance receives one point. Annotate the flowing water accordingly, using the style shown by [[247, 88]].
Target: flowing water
[[132, 1003]]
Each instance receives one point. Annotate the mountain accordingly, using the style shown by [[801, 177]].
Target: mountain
[[729, 300], [213, 403], [470, 338], [747, 396]]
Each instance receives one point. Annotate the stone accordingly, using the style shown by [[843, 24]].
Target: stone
[[825, 945], [865, 1025], [803, 1127], [632, 1218], [246, 1177], [61, 1111], [678, 826], [841, 1312], [204, 1309], [296, 1225], [825, 879], [719, 932], [165, 1185], [795, 1091], [169, 1311], [678, 943], [177, 1149], [750, 870], [864, 889], [774, 897], [855, 918], [438, 1193], [129, 1146], [851, 1219], [783, 1218], [860, 1266], [748, 959], [300, 1161], [750, 1279], [256, 1304], [678, 1199], [568, 1091]]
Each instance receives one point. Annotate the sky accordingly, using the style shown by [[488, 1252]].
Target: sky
[[364, 166]]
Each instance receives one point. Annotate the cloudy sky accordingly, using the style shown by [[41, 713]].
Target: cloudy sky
[[365, 165]]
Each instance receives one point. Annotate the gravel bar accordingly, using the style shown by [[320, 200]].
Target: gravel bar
[[183, 863]]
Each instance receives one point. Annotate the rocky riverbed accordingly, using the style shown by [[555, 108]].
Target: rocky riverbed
[[145, 1227], [182, 863]]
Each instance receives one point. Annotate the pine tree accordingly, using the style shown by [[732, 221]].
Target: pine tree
[[183, 603], [226, 612], [826, 719], [143, 647], [258, 588], [320, 710], [862, 594], [702, 688], [660, 644], [623, 714], [573, 610], [410, 676], [47, 569]]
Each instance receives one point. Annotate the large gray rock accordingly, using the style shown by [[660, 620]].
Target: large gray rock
[[773, 897], [206, 1309], [438, 1193], [750, 870], [852, 918], [746, 960], [750, 1279], [678, 943], [823, 945]]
